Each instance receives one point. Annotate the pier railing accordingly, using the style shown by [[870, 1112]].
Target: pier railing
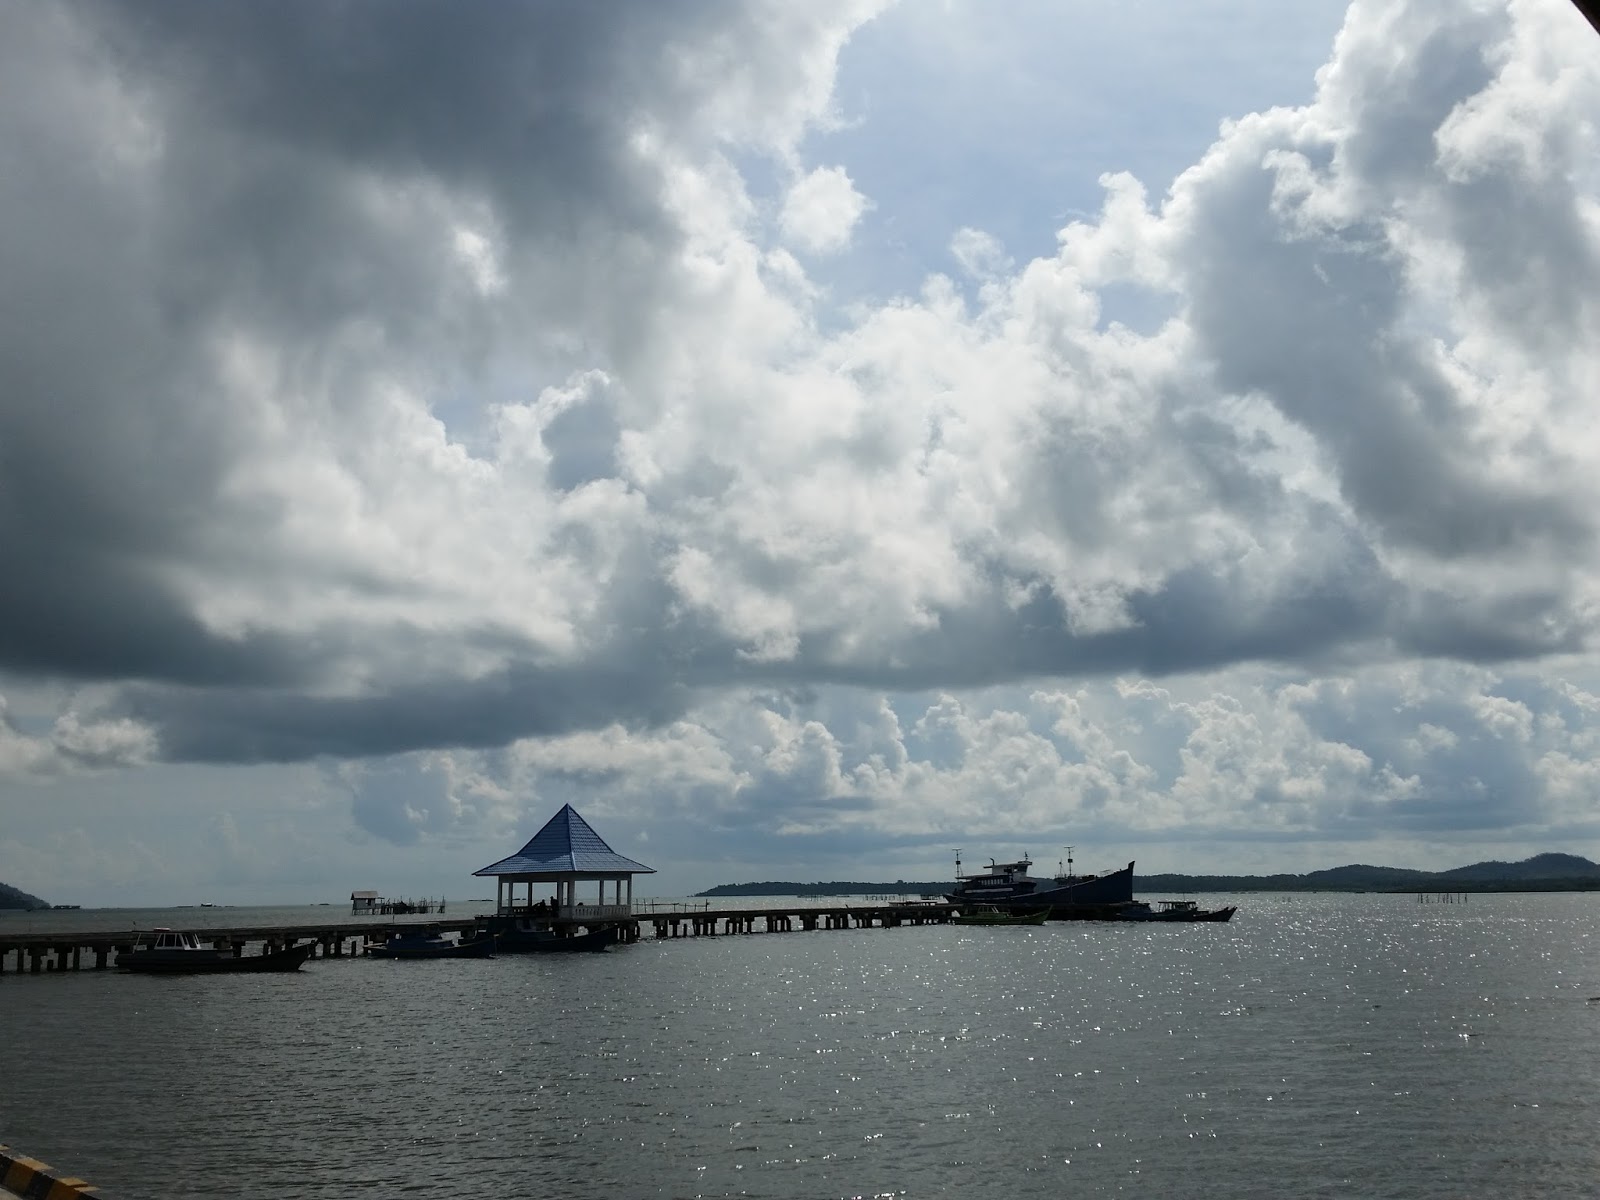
[[573, 912], [595, 912]]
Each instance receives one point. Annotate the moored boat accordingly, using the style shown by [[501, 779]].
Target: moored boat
[[1171, 910], [1063, 896], [993, 914], [524, 935], [429, 943], [169, 952]]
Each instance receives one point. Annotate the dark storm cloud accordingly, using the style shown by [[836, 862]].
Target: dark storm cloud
[[259, 725], [528, 106], [1313, 322], [1197, 620], [230, 224], [178, 172]]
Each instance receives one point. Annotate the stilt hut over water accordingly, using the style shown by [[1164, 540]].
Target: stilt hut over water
[[562, 855]]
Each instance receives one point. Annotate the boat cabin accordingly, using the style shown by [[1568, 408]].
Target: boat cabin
[[166, 939], [1011, 872]]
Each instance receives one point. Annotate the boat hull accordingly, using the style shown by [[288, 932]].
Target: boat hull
[[511, 939], [1142, 913], [213, 962], [482, 947], [1081, 899], [1001, 918]]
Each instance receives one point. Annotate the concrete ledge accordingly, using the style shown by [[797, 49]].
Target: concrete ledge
[[33, 1180]]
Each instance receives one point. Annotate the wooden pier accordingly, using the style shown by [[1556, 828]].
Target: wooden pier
[[39, 952], [370, 904], [706, 922], [36, 953]]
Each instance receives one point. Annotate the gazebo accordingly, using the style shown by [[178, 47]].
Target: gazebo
[[566, 852]]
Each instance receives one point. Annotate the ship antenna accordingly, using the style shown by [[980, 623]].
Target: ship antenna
[[958, 861], [1069, 862]]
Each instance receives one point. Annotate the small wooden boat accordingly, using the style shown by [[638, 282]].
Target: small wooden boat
[[1171, 910], [172, 953], [429, 943], [992, 914]]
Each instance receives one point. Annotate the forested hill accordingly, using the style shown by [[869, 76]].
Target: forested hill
[[1542, 872], [10, 897]]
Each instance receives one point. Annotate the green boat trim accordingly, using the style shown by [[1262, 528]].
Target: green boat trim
[[990, 914]]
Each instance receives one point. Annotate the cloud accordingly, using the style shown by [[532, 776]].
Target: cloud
[[821, 210], [449, 393], [837, 780], [71, 743]]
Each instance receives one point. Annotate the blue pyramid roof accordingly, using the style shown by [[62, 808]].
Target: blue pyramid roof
[[565, 845]]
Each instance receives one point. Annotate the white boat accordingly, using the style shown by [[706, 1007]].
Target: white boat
[[171, 952]]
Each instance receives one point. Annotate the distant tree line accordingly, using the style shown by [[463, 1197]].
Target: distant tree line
[[1541, 873], [899, 887], [1299, 883]]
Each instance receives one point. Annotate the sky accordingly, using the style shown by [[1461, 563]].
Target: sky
[[807, 438]]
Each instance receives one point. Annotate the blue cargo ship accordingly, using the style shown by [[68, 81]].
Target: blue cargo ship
[[1066, 895]]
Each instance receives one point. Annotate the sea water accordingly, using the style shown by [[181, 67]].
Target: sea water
[[1317, 1045]]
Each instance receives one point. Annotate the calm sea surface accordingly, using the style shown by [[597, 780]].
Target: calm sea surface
[[1318, 1045]]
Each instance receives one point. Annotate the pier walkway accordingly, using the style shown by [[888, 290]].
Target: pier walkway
[[38, 952], [786, 918], [64, 951]]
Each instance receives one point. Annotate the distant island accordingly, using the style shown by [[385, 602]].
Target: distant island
[[1541, 873], [10, 897]]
